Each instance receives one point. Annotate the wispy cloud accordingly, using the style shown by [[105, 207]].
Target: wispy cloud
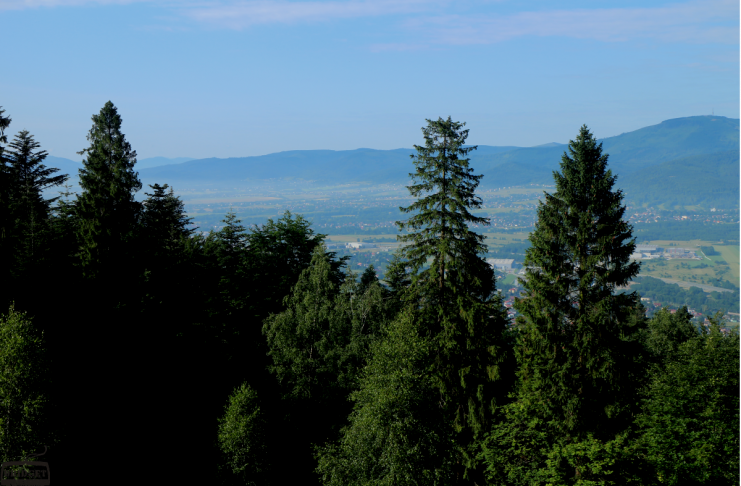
[[704, 21], [697, 21], [241, 14], [29, 4]]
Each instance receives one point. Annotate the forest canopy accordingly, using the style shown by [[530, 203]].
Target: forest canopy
[[254, 355]]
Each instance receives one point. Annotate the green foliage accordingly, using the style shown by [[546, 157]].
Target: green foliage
[[24, 406], [241, 437], [684, 181], [666, 332], [456, 294], [164, 220], [709, 250], [398, 433], [107, 209], [318, 345], [279, 251], [523, 450], [27, 211], [690, 417], [577, 349], [320, 342], [305, 341], [686, 230], [695, 298], [426, 363]]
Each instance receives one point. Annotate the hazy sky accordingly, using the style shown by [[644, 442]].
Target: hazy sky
[[228, 78]]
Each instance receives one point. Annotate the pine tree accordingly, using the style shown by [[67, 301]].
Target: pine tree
[[164, 219], [28, 207], [107, 210], [578, 334], [456, 294]]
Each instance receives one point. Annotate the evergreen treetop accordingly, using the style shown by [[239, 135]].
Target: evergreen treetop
[[30, 175], [577, 334], [26, 205], [444, 186], [456, 295], [107, 209]]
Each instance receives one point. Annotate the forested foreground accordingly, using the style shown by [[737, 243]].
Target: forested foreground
[[136, 348]]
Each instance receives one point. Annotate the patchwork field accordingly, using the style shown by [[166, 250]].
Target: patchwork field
[[730, 254]]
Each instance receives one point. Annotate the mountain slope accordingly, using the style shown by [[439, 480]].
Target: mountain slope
[[684, 147], [708, 180], [629, 152]]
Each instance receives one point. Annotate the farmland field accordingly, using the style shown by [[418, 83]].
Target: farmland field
[[730, 254]]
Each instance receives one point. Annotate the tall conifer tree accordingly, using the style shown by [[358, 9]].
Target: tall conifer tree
[[577, 344], [107, 209], [456, 294], [28, 207]]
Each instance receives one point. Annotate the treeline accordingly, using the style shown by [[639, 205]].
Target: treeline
[[138, 349], [694, 297], [686, 230]]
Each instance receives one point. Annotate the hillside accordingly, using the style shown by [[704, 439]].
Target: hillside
[[696, 157], [709, 180]]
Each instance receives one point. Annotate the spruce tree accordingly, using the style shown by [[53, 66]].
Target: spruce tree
[[107, 210], [578, 334], [164, 219], [456, 294], [28, 207]]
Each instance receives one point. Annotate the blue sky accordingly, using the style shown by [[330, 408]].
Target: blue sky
[[234, 78]]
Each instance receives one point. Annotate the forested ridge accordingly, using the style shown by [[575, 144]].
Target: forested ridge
[[137, 349]]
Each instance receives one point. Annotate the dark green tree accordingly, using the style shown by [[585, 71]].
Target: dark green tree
[[689, 425], [456, 294], [25, 425], [28, 207], [665, 332], [318, 345], [579, 348], [107, 210], [279, 251], [397, 434], [107, 220], [242, 438], [164, 219], [163, 235], [578, 345], [320, 342]]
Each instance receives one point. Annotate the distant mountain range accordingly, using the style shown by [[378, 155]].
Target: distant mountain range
[[684, 159], [68, 166]]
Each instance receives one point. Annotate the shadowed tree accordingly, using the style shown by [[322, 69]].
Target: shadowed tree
[[456, 295], [579, 351], [28, 208], [107, 210]]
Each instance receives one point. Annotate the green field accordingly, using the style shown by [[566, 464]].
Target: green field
[[699, 271], [730, 254]]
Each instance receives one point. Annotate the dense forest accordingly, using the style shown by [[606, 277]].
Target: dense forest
[[706, 303], [136, 348]]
